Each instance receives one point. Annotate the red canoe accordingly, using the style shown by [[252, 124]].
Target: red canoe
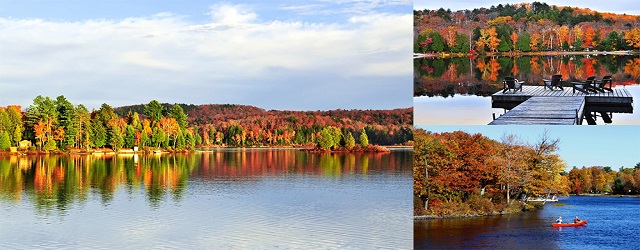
[[582, 222]]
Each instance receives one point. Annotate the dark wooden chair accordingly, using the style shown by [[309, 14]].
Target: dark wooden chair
[[555, 82], [511, 83], [602, 84], [585, 87]]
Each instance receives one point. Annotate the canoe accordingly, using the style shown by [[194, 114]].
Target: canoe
[[582, 222]]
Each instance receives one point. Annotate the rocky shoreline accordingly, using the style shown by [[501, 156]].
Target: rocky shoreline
[[429, 217]]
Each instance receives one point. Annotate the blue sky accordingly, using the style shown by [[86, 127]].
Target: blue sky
[[198, 10], [613, 146], [292, 55], [630, 7]]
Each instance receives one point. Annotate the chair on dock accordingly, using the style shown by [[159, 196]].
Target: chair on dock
[[555, 82], [602, 84], [511, 83], [585, 87]]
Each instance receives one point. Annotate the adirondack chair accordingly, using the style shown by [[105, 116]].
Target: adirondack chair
[[555, 82], [511, 83], [586, 86], [602, 84]]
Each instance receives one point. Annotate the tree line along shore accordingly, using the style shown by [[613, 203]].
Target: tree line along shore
[[58, 126], [526, 29], [457, 174]]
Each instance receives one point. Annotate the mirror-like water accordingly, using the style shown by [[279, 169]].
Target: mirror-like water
[[458, 90], [244, 198]]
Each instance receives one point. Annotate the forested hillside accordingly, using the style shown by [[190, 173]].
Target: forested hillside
[[523, 28], [58, 125], [383, 127]]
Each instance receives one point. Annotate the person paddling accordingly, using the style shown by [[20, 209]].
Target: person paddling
[[559, 220], [576, 220]]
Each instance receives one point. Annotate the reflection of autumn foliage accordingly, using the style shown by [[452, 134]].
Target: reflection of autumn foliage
[[514, 69], [494, 67], [633, 68], [489, 70], [257, 163], [589, 70], [567, 69], [488, 74], [57, 181], [535, 66]]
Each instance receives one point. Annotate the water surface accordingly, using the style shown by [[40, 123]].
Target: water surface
[[457, 90], [242, 199], [612, 224]]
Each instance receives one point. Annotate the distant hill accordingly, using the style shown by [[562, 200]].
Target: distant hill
[[384, 127], [209, 113]]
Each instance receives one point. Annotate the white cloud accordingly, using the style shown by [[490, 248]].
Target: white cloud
[[307, 9], [233, 59], [330, 7], [232, 14]]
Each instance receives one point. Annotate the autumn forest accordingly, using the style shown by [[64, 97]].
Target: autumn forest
[[457, 174], [60, 126], [523, 28]]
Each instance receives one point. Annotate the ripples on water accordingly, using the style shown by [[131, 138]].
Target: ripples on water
[[225, 201], [612, 224]]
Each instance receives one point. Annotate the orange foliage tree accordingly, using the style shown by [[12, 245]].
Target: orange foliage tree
[[633, 37]]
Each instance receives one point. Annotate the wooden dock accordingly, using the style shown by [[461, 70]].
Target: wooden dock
[[538, 105], [545, 110]]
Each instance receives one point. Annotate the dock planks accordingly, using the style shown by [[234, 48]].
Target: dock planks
[[618, 96], [539, 105], [545, 110]]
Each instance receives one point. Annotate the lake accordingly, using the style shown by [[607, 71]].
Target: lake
[[612, 224], [227, 198], [457, 90]]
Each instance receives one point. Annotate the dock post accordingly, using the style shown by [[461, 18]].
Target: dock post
[[494, 116]]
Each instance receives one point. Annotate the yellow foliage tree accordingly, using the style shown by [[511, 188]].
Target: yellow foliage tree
[[535, 40], [514, 38], [499, 20], [493, 40], [563, 34], [633, 37]]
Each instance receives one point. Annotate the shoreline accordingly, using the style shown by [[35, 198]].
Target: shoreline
[[432, 217], [609, 195], [518, 54], [150, 151]]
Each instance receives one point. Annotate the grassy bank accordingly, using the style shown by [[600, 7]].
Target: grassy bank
[[473, 207]]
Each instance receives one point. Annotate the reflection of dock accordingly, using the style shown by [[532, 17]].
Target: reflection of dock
[[537, 105]]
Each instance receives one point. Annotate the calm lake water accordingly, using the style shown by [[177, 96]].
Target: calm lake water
[[612, 224], [458, 90], [233, 198]]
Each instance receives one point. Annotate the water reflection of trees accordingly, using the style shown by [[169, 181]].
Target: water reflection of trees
[[57, 182], [483, 76], [257, 163]]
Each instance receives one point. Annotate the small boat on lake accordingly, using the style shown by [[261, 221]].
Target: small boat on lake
[[581, 223]]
